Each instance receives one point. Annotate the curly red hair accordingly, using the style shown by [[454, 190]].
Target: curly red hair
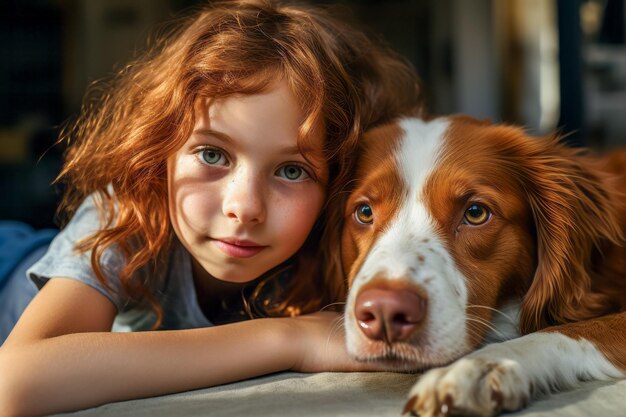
[[129, 126]]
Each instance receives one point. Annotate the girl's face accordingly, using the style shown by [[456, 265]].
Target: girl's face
[[242, 197]]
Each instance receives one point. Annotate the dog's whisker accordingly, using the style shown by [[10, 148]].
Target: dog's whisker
[[495, 310], [488, 325], [335, 327], [480, 320], [338, 303]]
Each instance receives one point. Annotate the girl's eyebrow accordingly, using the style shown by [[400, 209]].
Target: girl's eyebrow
[[214, 133], [289, 150]]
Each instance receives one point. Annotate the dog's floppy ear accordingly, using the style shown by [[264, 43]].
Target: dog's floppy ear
[[574, 216], [330, 249], [331, 245]]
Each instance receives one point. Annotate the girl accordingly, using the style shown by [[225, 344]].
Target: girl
[[196, 188]]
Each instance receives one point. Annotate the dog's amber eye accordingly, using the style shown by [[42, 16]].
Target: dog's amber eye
[[364, 214], [476, 214]]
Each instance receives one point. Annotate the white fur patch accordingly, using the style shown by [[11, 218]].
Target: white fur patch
[[410, 248], [505, 376], [552, 359]]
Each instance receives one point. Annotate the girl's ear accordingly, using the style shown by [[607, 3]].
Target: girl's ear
[[574, 216]]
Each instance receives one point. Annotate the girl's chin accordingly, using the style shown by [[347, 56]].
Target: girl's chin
[[235, 275]]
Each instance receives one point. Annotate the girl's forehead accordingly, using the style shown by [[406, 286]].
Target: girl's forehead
[[276, 103], [260, 82], [251, 86], [272, 111]]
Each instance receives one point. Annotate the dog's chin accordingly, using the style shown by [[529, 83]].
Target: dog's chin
[[404, 357], [393, 363]]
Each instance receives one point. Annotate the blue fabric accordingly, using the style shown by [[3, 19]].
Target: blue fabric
[[17, 241], [20, 247]]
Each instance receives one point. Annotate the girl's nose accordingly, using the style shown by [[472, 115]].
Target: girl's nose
[[243, 199]]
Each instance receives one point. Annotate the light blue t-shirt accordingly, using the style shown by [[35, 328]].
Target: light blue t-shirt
[[172, 285]]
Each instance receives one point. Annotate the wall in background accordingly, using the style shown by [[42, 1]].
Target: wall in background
[[488, 58]]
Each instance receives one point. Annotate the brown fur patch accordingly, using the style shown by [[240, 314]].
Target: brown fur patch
[[607, 333], [555, 209], [497, 257]]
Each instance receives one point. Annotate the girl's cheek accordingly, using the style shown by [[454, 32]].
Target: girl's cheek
[[301, 215], [191, 200], [195, 204]]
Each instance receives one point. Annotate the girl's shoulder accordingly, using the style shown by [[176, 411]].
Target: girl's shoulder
[[171, 282], [63, 260]]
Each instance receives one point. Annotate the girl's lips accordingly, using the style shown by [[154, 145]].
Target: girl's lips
[[238, 249]]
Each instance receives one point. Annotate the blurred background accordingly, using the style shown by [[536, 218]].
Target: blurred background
[[544, 64]]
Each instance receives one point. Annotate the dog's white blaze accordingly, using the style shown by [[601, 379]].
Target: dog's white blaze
[[417, 156], [412, 235]]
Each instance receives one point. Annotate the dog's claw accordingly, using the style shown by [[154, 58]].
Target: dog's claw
[[497, 398], [408, 407], [446, 407]]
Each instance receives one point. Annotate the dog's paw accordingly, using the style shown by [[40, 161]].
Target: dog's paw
[[470, 387]]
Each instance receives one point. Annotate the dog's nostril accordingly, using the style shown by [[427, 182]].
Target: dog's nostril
[[389, 314], [365, 319], [367, 316], [401, 319]]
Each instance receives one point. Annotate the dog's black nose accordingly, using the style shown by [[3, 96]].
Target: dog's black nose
[[391, 315]]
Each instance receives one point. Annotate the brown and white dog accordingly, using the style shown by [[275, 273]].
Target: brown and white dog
[[458, 233]]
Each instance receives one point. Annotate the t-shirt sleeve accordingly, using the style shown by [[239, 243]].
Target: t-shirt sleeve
[[62, 260]]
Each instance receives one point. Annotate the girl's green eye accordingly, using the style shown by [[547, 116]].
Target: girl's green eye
[[364, 214], [213, 157], [292, 173], [476, 214]]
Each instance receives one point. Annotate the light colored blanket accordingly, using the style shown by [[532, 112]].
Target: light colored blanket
[[342, 394]]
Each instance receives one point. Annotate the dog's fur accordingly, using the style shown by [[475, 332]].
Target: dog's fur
[[544, 275]]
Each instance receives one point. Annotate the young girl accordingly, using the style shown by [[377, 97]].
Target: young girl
[[197, 184]]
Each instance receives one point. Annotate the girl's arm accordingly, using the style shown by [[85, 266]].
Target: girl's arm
[[61, 355]]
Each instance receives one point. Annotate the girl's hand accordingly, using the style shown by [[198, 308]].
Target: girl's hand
[[320, 345]]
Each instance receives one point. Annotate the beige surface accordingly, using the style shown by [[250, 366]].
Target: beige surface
[[339, 394]]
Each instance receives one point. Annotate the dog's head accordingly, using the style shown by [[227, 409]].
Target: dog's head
[[450, 217]]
